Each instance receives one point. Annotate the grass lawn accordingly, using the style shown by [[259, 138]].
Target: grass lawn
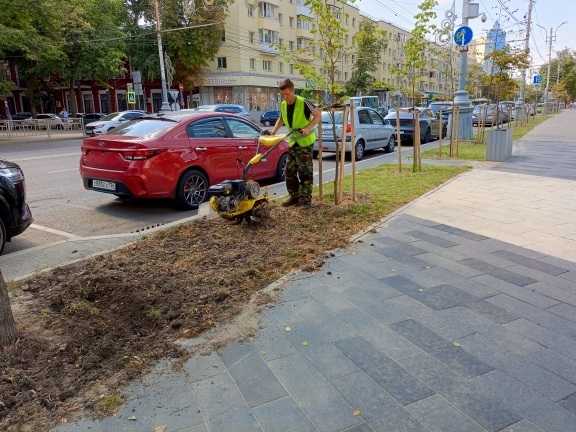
[[108, 319], [472, 151]]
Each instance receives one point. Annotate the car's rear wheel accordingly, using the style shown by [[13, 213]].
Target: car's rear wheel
[[391, 144], [281, 168], [428, 135], [359, 150], [192, 189], [2, 236]]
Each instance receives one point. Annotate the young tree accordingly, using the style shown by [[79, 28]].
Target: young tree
[[7, 324], [415, 50], [329, 35], [500, 84], [368, 45]]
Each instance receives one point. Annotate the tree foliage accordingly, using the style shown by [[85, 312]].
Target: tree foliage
[[368, 45], [565, 63], [189, 50], [500, 85]]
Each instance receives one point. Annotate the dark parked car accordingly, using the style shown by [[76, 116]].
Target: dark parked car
[[22, 116], [269, 118], [15, 214], [427, 125]]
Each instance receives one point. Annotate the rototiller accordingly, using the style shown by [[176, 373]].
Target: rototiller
[[240, 200]]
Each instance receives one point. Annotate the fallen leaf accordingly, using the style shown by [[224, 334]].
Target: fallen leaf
[[132, 418], [356, 413], [288, 328], [305, 343], [161, 428]]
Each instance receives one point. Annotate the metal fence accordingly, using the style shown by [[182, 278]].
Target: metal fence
[[41, 127]]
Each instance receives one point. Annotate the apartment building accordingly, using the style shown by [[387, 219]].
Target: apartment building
[[249, 65]]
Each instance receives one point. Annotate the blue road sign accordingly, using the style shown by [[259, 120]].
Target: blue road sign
[[537, 79], [463, 35]]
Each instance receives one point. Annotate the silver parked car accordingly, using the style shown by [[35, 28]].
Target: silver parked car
[[371, 132], [227, 108], [109, 122]]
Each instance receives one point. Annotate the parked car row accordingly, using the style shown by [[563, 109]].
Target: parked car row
[[489, 115]]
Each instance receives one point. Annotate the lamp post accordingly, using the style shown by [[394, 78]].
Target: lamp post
[[461, 97], [550, 38]]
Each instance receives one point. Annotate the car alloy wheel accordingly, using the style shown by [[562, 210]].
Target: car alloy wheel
[[195, 189], [359, 150]]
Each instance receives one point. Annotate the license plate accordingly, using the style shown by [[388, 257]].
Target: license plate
[[103, 184]]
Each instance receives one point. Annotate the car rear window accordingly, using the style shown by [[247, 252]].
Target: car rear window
[[144, 128], [326, 117]]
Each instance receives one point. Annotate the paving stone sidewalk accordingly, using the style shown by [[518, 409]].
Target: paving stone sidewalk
[[420, 326]]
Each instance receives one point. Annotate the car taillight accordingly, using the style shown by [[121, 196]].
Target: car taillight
[[137, 155], [348, 127]]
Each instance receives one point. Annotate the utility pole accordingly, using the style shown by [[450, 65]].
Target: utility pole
[[527, 50], [550, 40], [165, 104], [558, 72]]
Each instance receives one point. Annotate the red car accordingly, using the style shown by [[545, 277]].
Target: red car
[[175, 156]]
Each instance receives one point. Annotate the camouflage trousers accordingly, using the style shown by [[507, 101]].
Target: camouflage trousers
[[300, 172]]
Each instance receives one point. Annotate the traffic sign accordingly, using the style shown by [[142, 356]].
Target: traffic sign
[[131, 97], [537, 79], [463, 35]]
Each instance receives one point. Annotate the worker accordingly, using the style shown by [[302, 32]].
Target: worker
[[301, 116]]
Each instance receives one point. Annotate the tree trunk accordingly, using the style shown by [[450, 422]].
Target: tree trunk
[[7, 324]]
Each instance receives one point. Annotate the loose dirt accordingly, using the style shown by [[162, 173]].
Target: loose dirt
[[89, 327]]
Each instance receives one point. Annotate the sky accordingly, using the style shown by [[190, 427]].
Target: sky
[[547, 13]]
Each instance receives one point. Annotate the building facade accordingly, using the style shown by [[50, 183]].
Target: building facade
[[495, 40]]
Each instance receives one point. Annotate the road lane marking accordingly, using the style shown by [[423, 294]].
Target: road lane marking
[[33, 158], [55, 232], [63, 171]]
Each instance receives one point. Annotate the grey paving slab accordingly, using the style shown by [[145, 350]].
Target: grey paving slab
[[218, 395], [282, 415], [384, 371], [554, 341], [371, 400], [201, 367], [256, 382], [528, 294], [558, 364], [441, 349], [550, 416], [498, 273], [448, 264], [436, 240], [564, 310], [319, 399], [569, 403], [437, 414], [523, 426], [538, 316], [330, 361], [234, 420], [530, 262], [271, 343], [493, 312], [459, 232]]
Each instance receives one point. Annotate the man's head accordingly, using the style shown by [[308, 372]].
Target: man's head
[[287, 90]]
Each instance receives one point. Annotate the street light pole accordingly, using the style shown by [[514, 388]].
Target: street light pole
[[165, 105], [461, 97]]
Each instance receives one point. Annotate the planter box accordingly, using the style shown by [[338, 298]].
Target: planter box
[[499, 144]]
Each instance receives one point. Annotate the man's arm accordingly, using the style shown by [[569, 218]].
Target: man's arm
[[278, 125], [316, 119]]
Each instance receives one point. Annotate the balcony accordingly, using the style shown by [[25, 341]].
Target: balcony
[[305, 55], [267, 48], [302, 9]]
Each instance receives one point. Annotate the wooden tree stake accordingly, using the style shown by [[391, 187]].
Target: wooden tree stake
[[343, 154], [320, 168], [353, 152], [399, 139], [8, 334]]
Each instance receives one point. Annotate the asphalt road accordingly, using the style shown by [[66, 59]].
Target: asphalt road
[[63, 209]]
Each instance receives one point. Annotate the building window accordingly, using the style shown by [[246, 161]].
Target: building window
[[353, 22], [267, 65], [346, 18], [122, 104], [222, 63], [291, 45], [253, 64], [266, 10], [345, 76], [268, 36], [280, 16], [281, 67], [88, 102], [291, 69], [251, 37], [281, 42], [104, 103], [303, 23], [250, 10], [223, 35], [291, 22]]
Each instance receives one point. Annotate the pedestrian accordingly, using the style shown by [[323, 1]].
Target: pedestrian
[[302, 117]]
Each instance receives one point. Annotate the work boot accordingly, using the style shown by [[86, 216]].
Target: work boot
[[292, 201], [305, 202]]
